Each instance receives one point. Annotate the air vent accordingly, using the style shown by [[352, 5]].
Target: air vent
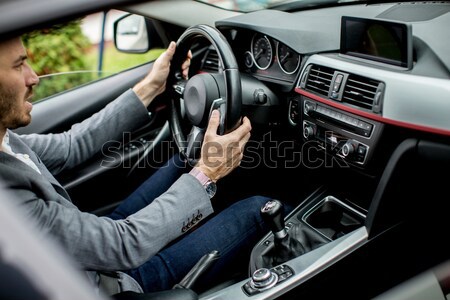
[[210, 61], [319, 80], [355, 90], [363, 92]]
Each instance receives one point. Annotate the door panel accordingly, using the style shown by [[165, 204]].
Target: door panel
[[107, 178], [58, 113]]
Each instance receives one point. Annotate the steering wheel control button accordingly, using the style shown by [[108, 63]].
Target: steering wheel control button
[[262, 279], [179, 87]]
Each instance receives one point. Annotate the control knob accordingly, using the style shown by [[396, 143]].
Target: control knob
[[309, 107], [308, 131], [263, 279], [349, 148]]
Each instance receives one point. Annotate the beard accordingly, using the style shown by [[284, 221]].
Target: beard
[[13, 113]]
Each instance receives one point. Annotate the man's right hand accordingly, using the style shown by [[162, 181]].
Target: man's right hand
[[221, 154]]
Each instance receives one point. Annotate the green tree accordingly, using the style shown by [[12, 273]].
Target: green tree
[[58, 49]]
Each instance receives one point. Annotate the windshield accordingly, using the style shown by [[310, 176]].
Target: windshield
[[253, 5]]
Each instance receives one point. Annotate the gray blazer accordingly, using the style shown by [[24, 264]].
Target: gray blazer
[[97, 243]]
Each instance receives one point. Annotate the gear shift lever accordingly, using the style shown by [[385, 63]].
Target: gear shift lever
[[273, 214], [286, 246]]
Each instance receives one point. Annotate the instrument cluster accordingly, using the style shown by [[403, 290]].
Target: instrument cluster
[[269, 58]]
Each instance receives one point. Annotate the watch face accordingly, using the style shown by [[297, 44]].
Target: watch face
[[211, 189]]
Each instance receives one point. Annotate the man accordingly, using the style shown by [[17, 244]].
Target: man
[[132, 238]]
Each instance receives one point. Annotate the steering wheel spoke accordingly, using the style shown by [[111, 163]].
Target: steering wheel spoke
[[194, 143], [221, 105]]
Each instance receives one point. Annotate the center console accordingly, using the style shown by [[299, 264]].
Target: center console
[[325, 229], [326, 116], [337, 109], [320, 219]]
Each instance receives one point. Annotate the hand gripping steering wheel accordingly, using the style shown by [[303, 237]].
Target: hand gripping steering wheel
[[204, 92]]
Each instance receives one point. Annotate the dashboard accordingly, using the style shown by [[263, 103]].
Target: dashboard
[[364, 84], [346, 75], [368, 106]]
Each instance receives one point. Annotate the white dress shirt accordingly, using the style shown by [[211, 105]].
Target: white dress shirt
[[25, 158]]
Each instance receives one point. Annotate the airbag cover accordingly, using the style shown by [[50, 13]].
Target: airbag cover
[[200, 91]]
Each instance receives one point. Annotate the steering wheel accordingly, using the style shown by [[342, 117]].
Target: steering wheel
[[204, 92]]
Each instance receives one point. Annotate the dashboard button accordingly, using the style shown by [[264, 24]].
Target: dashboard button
[[362, 150]]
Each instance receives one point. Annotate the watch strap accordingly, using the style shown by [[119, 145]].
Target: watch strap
[[197, 173]]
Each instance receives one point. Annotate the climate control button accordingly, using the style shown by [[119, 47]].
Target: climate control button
[[349, 148], [308, 130]]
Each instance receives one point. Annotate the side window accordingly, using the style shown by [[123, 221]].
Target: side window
[[78, 52]]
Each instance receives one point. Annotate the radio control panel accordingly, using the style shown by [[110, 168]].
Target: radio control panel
[[348, 136], [347, 121]]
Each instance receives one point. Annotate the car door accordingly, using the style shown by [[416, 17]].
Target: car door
[[99, 184]]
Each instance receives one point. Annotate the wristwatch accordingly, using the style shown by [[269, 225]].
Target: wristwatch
[[209, 185]]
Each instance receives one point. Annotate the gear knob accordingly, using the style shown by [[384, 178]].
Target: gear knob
[[273, 214]]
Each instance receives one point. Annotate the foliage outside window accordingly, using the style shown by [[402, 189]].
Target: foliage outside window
[[64, 58], [58, 50]]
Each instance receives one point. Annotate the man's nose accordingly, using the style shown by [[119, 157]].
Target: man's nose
[[32, 78]]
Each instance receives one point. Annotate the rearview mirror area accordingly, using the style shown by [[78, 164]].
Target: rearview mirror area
[[134, 34]]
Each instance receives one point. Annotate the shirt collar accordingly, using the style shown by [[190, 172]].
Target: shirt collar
[[5, 144]]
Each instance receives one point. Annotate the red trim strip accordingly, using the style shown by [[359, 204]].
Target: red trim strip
[[373, 116]]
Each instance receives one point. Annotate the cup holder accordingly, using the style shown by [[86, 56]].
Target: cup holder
[[333, 218]]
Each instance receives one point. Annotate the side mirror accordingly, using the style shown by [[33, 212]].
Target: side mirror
[[131, 34]]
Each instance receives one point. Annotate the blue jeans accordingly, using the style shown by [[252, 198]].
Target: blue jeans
[[233, 232]]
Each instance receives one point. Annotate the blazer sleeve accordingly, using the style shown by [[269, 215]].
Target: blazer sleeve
[[100, 243], [66, 150]]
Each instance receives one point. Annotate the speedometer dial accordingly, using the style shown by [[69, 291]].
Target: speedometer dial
[[261, 51], [288, 59]]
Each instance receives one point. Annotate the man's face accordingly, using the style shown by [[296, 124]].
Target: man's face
[[16, 85]]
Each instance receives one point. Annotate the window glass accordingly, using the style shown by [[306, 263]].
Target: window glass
[[74, 53], [244, 5]]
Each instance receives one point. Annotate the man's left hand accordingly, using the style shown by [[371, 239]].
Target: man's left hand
[[155, 82]]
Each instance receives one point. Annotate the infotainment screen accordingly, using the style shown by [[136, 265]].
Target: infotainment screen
[[377, 40]]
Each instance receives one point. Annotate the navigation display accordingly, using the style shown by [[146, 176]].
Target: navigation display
[[377, 40]]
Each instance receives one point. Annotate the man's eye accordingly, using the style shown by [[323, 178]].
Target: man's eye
[[19, 67]]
